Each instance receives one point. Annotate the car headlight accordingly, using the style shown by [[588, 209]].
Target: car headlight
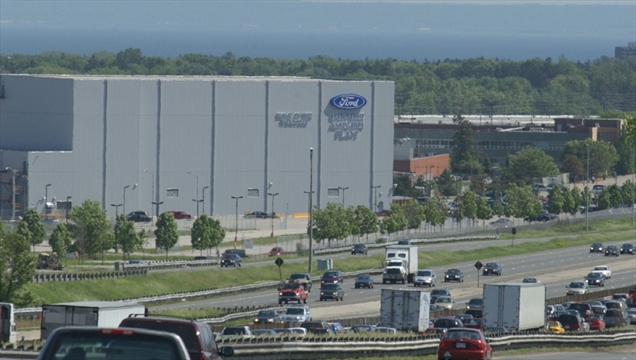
[[270, 320], [255, 320], [322, 293], [280, 294], [447, 276]]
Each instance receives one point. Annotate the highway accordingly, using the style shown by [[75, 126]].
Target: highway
[[599, 354], [555, 268]]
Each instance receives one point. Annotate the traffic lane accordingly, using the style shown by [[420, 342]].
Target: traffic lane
[[594, 355]]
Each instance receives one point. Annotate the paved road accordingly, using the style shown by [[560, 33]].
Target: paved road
[[555, 268], [628, 355]]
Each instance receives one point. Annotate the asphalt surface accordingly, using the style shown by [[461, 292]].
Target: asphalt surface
[[630, 355], [555, 268]]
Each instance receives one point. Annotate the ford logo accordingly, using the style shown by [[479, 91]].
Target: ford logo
[[348, 101]]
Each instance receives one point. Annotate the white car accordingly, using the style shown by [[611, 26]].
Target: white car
[[576, 288], [297, 314], [425, 277], [603, 269]]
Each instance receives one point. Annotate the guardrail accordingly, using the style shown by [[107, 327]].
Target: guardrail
[[170, 264], [59, 277]]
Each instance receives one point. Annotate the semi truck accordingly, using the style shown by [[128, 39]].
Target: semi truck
[[87, 313], [8, 332], [400, 264], [517, 306], [405, 309]]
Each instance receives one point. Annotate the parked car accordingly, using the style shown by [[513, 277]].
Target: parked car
[[612, 250], [425, 277], [573, 322], [577, 288], [332, 276], [332, 291], [197, 336], [138, 216], [603, 269], [615, 318], [276, 251], [364, 281], [439, 292], [259, 215], [492, 268], [359, 249], [596, 279], [297, 313], [446, 302], [628, 249], [404, 242], [502, 223], [453, 275], [236, 331], [231, 260], [597, 247], [317, 327], [385, 330], [555, 327], [475, 304], [267, 317], [180, 215], [76, 341], [264, 333]]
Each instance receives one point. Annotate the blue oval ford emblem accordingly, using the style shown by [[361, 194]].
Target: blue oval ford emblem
[[348, 101]]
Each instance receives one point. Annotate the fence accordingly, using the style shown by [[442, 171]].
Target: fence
[[87, 276]]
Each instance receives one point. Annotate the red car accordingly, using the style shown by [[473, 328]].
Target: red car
[[464, 343], [277, 251], [292, 292], [179, 215], [596, 322]]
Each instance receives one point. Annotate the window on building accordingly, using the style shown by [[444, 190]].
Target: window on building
[[333, 192], [252, 192]]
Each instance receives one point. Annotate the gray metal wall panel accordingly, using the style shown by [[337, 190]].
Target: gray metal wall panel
[[185, 141], [148, 100], [52, 168], [36, 114], [240, 144], [383, 143], [288, 155]]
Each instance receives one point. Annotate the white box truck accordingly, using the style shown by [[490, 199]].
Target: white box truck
[[405, 309], [8, 332], [401, 264], [87, 313], [517, 306]]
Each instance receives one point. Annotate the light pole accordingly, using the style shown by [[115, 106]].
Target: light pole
[[124, 203], [13, 172], [273, 195], [152, 187], [116, 209], [203, 200], [157, 203], [197, 191], [198, 202], [68, 205], [375, 197], [343, 195], [46, 199], [587, 191], [311, 205], [237, 198]]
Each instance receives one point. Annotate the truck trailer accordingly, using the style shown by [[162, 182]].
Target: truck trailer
[[87, 313], [517, 306], [400, 264], [8, 332], [405, 309]]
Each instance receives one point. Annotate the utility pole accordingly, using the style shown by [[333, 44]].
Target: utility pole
[[311, 205], [375, 197], [205, 187], [343, 195], [587, 191], [237, 198]]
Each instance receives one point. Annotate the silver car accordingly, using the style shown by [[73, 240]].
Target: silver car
[[446, 302], [577, 288], [297, 314], [425, 277]]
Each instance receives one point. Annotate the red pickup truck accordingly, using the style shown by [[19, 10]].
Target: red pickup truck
[[292, 292], [179, 215]]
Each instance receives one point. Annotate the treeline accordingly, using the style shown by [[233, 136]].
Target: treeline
[[605, 86]]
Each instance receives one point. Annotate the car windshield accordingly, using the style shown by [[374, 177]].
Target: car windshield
[[297, 276], [330, 287], [453, 271], [476, 301], [600, 268], [462, 334], [186, 332], [439, 292], [234, 331], [613, 313], [330, 274], [358, 246], [491, 265], [442, 299], [444, 323], [594, 275], [295, 311], [576, 285], [424, 273], [364, 277]]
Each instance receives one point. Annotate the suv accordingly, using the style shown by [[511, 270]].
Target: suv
[[584, 309], [331, 291], [332, 276], [318, 327], [139, 216], [359, 249], [292, 291], [475, 304], [628, 248], [297, 314], [571, 322], [597, 247], [302, 278], [439, 292], [231, 260], [196, 336]]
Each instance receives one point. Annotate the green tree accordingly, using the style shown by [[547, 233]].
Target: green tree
[[206, 233], [17, 267], [573, 165], [330, 223], [125, 236], [625, 163], [484, 212], [37, 232], [529, 163], [395, 221], [446, 184], [435, 211], [615, 195], [463, 157], [91, 229], [627, 192], [577, 199], [555, 200], [458, 214], [603, 156], [143, 241], [166, 233], [520, 201], [60, 240], [414, 212], [568, 201], [604, 200], [469, 205], [367, 220], [1, 229]]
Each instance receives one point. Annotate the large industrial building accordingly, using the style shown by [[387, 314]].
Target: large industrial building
[[136, 141]]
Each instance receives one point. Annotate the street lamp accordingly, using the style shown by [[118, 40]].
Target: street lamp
[[203, 200], [198, 202], [152, 187], [273, 195], [68, 205], [311, 200], [116, 209], [197, 191], [124, 207], [343, 194], [237, 198], [46, 199], [375, 197], [13, 172], [587, 191], [156, 203]]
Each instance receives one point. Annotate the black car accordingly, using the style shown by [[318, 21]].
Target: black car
[[594, 278], [437, 293], [267, 317], [612, 250], [331, 276], [259, 215], [597, 247], [454, 275], [317, 327], [447, 323], [231, 260], [359, 249], [492, 268], [364, 281], [331, 291], [628, 249], [139, 216]]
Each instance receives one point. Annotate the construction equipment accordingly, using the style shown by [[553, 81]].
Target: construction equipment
[[49, 262]]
